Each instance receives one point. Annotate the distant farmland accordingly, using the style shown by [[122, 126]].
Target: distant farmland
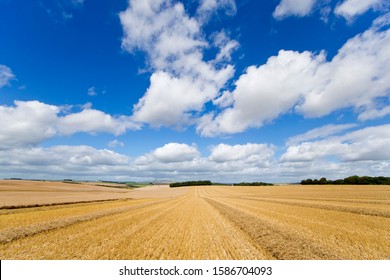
[[198, 222]]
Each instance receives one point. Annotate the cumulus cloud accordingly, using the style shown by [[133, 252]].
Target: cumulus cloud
[[6, 75], [264, 92], [27, 123], [302, 82], [94, 121], [173, 161], [367, 144], [62, 161], [175, 152], [182, 79], [293, 8], [350, 9], [152, 26], [357, 77], [225, 163], [249, 153], [170, 153], [32, 122], [170, 100]]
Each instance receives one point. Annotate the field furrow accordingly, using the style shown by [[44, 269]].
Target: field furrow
[[181, 228], [381, 210], [89, 239], [345, 235], [208, 222], [19, 225], [279, 241]]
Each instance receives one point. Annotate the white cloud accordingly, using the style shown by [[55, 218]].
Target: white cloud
[[32, 122], [171, 100], [169, 156], [350, 9], [357, 77], [175, 152], [28, 123], [6, 75], [92, 91], [319, 133], [293, 8], [208, 7], [248, 153], [263, 93], [62, 161], [367, 144], [224, 100], [152, 26], [115, 143], [325, 11], [296, 171], [225, 45], [225, 163], [374, 113], [182, 80], [381, 21], [94, 121]]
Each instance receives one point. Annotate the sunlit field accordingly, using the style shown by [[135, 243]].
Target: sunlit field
[[190, 223]]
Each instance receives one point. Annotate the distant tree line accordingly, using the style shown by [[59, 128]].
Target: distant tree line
[[253, 184], [190, 183], [70, 181], [351, 180], [114, 182], [208, 183]]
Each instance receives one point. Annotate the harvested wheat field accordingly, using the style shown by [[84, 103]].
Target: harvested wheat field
[[208, 222], [20, 193]]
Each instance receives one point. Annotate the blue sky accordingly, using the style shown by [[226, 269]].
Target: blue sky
[[231, 91]]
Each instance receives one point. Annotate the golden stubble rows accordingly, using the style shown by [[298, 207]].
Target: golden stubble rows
[[297, 228], [283, 222], [180, 228]]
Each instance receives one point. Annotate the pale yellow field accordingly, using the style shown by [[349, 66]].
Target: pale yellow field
[[213, 222], [19, 193]]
